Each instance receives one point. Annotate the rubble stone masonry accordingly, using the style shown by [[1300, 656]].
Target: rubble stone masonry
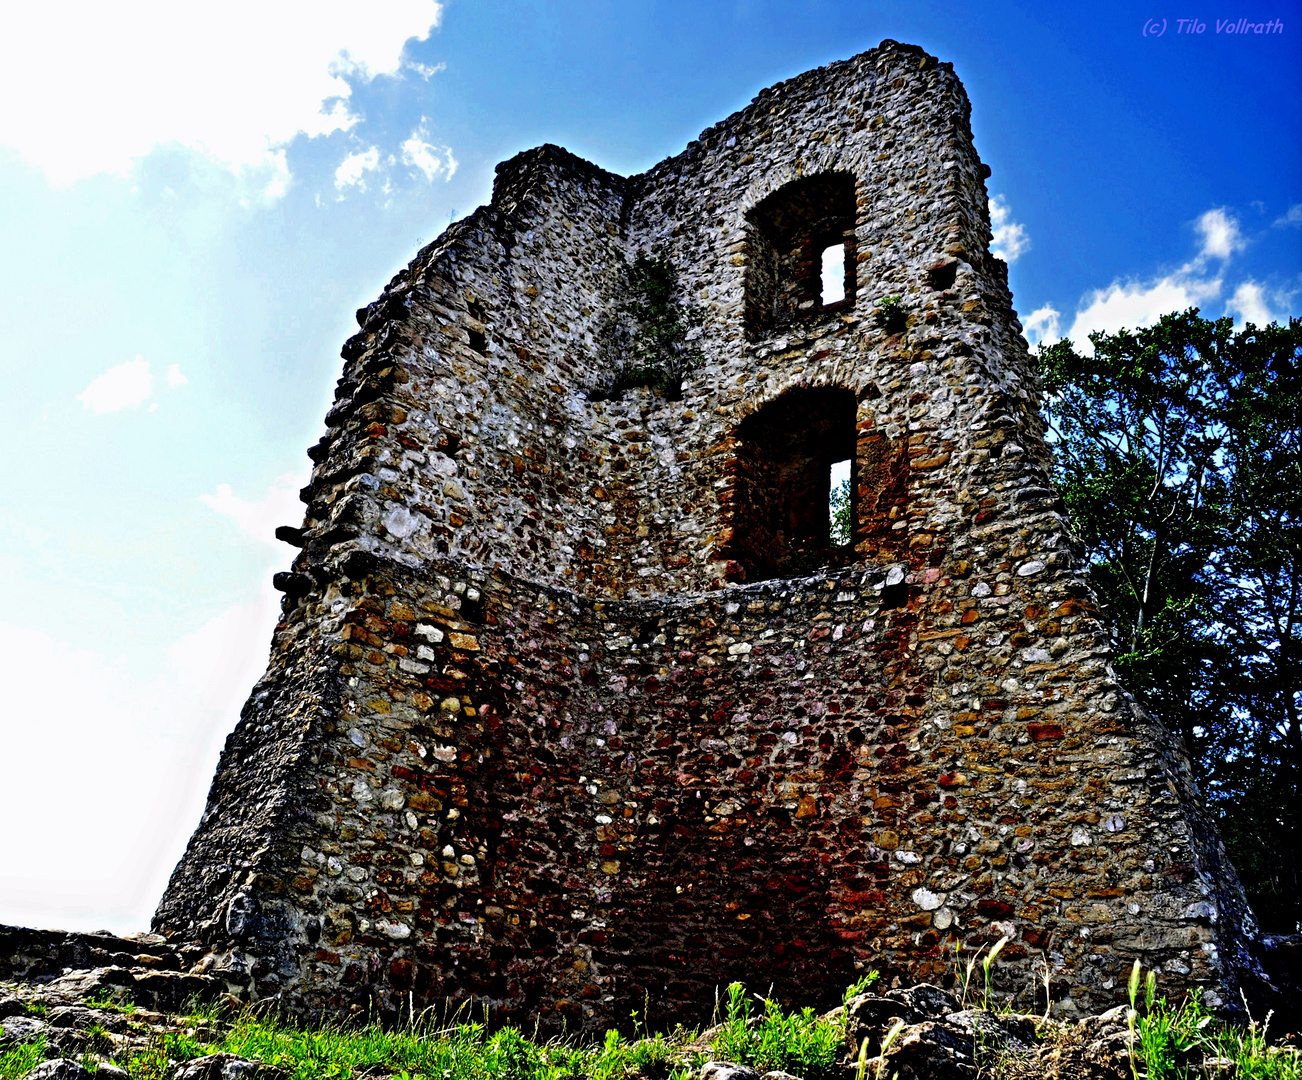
[[576, 706]]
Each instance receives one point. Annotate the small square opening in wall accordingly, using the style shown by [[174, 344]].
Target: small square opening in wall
[[478, 341], [833, 274], [840, 530]]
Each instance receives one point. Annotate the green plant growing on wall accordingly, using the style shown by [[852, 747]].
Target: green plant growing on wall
[[890, 315], [654, 326]]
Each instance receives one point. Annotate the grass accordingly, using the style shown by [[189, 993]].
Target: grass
[[754, 1031], [1172, 1042], [798, 1042], [106, 1002], [462, 1051], [21, 1060]]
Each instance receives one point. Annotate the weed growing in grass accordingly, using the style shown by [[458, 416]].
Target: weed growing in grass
[[654, 1056], [104, 1000], [164, 1050], [890, 1038], [1172, 1042], [798, 1042], [21, 1059], [1171, 1039], [861, 985], [987, 963], [1253, 1057], [98, 1040]]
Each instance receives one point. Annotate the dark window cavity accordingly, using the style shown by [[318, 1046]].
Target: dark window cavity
[[802, 252], [475, 331], [782, 508]]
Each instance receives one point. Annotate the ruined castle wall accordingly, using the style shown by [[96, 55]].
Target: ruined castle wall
[[266, 797], [579, 756], [457, 429]]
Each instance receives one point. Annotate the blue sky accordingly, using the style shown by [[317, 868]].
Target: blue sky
[[194, 204]]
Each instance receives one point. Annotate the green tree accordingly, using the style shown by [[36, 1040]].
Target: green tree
[[1178, 457], [838, 507]]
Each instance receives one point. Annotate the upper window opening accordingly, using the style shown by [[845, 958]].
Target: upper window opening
[[476, 331], [802, 257], [789, 454], [833, 279]]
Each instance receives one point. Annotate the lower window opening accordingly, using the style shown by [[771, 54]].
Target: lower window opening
[[793, 509], [839, 528]]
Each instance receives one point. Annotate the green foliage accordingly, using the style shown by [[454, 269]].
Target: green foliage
[[1179, 451], [861, 985], [654, 1057], [964, 972], [888, 1040], [98, 1040], [839, 510], [1173, 1042], [20, 1060], [889, 315], [104, 1000], [332, 1050], [797, 1042], [417, 1051], [1171, 1039], [651, 340]]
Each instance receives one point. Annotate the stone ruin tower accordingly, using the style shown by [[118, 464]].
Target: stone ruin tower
[[576, 702]]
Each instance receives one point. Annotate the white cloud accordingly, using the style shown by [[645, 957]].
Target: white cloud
[[1249, 304], [1041, 325], [1291, 219], [126, 386], [1221, 237], [279, 506], [1009, 239], [277, 176], [353, 169], [429, 159], [134, 748], [833, 274], [175, 378], [1133, 303], [101, 85], [425, 71]]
